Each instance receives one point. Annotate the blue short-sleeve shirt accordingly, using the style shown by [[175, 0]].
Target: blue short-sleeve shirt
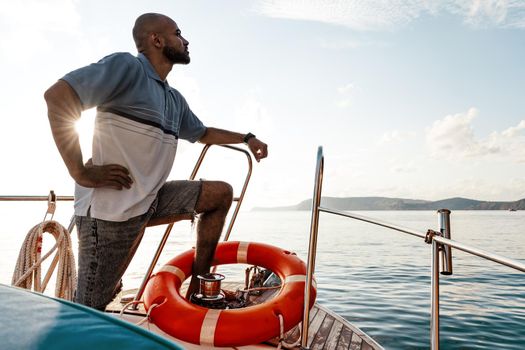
[[139, 121]]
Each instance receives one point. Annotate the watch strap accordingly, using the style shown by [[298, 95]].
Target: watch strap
[[247, 137]]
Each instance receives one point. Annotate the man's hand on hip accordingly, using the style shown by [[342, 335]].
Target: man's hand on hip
[[111, 176]]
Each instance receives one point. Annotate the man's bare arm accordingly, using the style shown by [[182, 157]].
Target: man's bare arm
[[216, 136], [64, 108]]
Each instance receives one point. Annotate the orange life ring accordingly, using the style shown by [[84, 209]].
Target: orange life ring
[[232, 327]]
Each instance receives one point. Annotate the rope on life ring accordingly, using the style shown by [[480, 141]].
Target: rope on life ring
[[219, 328], [282, 343], [27, 272]]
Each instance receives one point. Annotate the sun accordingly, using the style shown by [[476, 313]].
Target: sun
[[84, 128]]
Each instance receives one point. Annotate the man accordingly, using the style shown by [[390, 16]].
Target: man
[[122, 189]]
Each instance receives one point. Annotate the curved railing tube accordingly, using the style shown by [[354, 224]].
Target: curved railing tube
[[244, 186], [164, 239]]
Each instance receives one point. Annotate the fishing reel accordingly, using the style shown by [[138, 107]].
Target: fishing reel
[[212, 296]]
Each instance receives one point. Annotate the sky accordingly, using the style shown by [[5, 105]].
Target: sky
[[419, 99]]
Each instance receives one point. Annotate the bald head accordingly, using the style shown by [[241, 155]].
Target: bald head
[[145, 25]]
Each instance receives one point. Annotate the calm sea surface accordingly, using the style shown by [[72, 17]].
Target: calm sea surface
[[376, 278]]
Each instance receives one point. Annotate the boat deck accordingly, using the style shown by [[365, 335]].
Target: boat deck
[[327, 331]]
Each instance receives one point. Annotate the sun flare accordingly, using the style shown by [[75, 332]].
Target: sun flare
[[84, 128]]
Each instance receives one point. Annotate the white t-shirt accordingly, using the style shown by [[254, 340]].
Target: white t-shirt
[[139, 121]]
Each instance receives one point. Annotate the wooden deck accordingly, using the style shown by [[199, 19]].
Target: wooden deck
[[327, 331], [330, 332]]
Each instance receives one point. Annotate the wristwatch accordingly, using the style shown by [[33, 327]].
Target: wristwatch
[[247, 138]]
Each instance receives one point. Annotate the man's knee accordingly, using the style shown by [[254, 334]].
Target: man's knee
[[214, 195], [224, 193]]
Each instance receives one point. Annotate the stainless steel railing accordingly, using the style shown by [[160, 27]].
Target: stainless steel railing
[[51, 199], [441, 256], [33, 198], [164, 239], [244, 186]]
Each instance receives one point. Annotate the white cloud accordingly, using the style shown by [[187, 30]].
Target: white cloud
[[505, 13], [515, 130], [345, 94], [361, 15], [453, 137], [511, 142], [492, 10], [379, 15]]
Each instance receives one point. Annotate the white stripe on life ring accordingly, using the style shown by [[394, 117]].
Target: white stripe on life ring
[[208, 327], [299, 278], [173, 270], [242, 252]]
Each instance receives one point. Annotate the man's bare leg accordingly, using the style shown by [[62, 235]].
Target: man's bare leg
[[213, 205]]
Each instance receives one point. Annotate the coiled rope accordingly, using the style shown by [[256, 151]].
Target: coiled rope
[[27, 272]]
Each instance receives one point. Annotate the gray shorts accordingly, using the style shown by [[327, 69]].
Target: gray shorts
[[105, 248]]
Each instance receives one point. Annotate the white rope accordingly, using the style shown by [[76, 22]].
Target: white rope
[[281, 331], [133, 302], [27, 271], [146, 318], [282, 343]]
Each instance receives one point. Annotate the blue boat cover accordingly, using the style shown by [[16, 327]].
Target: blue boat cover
[[34, 321]]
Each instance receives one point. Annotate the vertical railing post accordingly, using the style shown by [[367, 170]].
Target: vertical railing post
[[445, 251], [312, 249], [441, 253], [434, 295], [72, 224]]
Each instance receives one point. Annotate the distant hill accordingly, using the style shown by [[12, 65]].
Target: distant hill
[[384, 203]]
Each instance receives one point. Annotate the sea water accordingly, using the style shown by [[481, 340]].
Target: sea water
[[376, 278]]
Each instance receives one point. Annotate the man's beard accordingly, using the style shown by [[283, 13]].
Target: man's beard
[[174, 56]]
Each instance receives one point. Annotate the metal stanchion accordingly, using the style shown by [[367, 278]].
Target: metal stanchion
[[445, 250], [434, 295], [312, 249]]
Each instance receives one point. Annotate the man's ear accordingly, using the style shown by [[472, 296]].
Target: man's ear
[[157, 42]]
